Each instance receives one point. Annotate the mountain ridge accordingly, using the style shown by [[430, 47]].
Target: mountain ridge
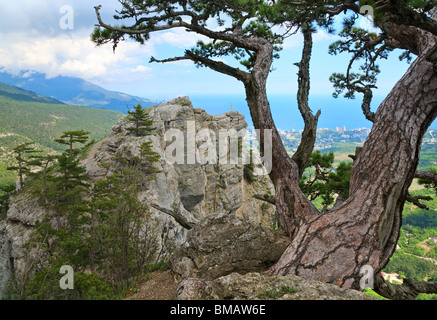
[[30, 117], [19, 94], [73, 91]]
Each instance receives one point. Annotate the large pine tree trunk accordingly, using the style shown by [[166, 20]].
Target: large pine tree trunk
[[364, 230], [333, 247]]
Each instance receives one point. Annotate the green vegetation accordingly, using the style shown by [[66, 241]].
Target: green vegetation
[[24, 95], [410, 266], [322, 180], [41, 286], [278, 293], [71, 138], [124, 238], [28, 117], [428, 156], [424, 296], [43, 122], [416, 257], [103, 231], [7, 177], [372, 293], [343, 148], [142, 123], [6, 192], [248, 171], [24, 158]]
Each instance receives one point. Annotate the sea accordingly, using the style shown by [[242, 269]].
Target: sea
[[335, 112]]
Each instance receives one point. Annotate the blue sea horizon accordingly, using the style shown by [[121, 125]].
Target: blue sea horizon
[[338, 112]]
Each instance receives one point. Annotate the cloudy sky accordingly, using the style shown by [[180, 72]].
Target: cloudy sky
[[34, 37]]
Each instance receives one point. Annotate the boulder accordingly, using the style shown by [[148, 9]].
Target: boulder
[[254, 286], [224, 243]]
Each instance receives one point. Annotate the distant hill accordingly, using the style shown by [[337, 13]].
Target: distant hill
[[16, 93], [42, 120], [26, 116], [73, 91]]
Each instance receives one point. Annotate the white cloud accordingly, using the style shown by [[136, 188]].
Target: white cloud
[[294, 41], [322, 35], [366, 23], [69, 54], [32, 39], [141, 68], [179, 38]]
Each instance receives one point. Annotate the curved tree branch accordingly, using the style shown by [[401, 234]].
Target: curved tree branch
[[365, 105], [265, 198], [135, 28], [401, 14], [219, 66], [408, 290], [147, 25], [214, 65], [153, 59], [426, 175], [309, 135], [181, 216], [416, 200]]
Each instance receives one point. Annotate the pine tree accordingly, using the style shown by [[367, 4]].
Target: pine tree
[[329, 183], [23, 167], [71, 180], [123, 238], [141, 120], [44, 161], [69, 138], [70, 188], [149, 156]]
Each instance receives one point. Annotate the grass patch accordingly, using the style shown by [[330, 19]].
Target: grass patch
[[371, 293], [275, 294], [157, 266]]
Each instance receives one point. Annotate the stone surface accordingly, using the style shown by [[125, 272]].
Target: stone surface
[[224, 243], [254, 286], [197, 189], [15, 230]]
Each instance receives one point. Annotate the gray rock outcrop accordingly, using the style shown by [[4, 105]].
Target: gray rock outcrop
[[15, 230], [202, 189], [224, 243], [254, 286]]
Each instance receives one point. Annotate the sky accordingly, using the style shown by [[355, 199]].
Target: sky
[[36, 35]]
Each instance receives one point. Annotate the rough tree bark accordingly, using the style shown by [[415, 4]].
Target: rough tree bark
[[309, 134], [333, 247], [364, 230]]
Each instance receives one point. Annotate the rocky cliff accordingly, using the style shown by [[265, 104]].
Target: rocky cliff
[[188, 190], [180, 196]]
